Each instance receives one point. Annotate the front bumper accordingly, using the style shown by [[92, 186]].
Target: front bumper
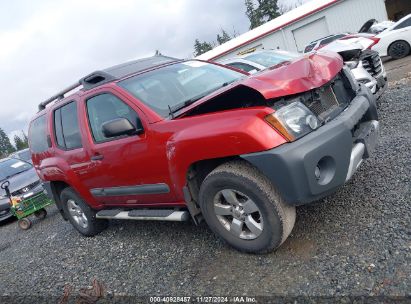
[[320, 162], [5, 211]]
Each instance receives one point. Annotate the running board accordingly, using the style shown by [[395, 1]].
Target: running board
[[144, 215]]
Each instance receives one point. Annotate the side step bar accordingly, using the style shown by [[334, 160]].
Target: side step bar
[[144, 215]]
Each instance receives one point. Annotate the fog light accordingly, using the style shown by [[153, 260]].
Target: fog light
[[317, 172]]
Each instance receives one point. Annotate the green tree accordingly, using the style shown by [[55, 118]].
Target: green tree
[[201, 47], [5, 146], [21, 142], [261, 11], [223, 38]]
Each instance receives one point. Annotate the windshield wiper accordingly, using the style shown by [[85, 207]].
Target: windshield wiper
[[190, 101], [184, 104]]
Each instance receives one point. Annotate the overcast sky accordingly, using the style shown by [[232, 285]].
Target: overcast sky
[[46, 45]]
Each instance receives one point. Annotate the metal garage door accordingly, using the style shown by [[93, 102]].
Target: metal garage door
[[309, 32]]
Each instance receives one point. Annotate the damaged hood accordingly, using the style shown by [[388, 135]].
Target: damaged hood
[[300, 75], [292, 77]]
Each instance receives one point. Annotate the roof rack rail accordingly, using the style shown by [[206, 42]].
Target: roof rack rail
[[98, 78], [58, 96]]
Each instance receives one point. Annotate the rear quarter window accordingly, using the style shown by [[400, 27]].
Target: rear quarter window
[[38, 135], [66, 127]]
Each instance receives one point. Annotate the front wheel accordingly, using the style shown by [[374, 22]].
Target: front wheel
[[80, 215], [241, 205]]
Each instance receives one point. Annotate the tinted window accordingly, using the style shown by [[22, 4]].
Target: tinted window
[[242, 66], [66, 127], [106, 107], [309, 48], [38, 135], [58, 128], [403, 24], [330, 39]]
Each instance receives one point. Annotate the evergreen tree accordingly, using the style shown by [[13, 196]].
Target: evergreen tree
[[201, 47], [21, 142], [223, 38], [5, 146], [261, 11]]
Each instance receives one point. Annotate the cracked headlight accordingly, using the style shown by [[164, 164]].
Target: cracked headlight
[[293, 121]]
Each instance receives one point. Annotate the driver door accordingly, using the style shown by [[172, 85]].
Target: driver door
[[124, 169]]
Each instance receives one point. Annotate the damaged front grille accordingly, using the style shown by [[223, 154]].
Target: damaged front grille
[[371, 61], [331, 99]]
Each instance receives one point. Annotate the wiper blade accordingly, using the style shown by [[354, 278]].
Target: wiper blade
[[188, 102], [182, 105]]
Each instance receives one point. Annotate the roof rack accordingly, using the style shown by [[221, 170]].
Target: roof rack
[[58, 96], [98, 78]]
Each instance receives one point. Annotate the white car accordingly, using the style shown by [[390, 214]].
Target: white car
[[320, 43], [366, 66], [259, 60], [394, 41]]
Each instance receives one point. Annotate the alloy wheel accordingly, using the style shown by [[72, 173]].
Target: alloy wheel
[[77, 213], [238, 214]]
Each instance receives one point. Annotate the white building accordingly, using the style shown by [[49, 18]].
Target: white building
[[311, 21]]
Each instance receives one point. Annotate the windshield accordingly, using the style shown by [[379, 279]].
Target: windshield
[[24, 155], [171, 87], [269, 59], [11, 167]]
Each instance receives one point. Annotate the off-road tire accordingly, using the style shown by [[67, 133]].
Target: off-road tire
[[94, 226], [278, 217]]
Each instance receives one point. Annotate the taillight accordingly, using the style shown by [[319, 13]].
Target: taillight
[[374, 42]]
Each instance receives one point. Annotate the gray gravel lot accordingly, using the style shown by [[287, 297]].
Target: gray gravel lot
[[355, 242]]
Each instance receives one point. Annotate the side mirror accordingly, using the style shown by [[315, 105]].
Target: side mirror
[[118, 127], [253, 71]]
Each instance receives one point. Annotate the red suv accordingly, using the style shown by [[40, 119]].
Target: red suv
[[166, 139]]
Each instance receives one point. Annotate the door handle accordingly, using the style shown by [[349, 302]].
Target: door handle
[[97, 157]]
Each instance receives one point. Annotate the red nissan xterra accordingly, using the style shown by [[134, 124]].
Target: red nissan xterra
[[166, 139]]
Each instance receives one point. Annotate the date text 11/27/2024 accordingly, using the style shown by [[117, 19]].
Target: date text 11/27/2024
[[205, 299]]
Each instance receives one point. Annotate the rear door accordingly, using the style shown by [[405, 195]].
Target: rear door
[[402, 31]]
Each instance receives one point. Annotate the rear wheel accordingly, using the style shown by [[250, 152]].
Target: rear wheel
[[243, 207], [24, 223], [399, 49], [80, 215]]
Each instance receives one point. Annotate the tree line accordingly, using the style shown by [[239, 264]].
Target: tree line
[[258, 12], [6, 148]]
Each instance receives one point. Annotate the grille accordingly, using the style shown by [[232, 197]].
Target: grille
[[324, 102], [29, 187], [4, 212], [329, 100], [372, 63]]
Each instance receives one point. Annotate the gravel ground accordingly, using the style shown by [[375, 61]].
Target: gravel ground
[[355, 242]]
